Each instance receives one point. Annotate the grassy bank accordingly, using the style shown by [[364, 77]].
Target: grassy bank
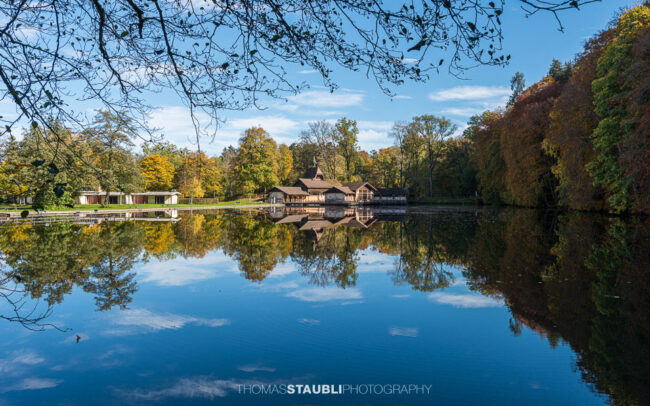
[[243, 202]]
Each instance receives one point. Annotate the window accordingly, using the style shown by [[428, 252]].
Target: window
[[140, 199], [160, 199], [93, 199]]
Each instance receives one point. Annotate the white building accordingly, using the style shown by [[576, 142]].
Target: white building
[[97, 197]]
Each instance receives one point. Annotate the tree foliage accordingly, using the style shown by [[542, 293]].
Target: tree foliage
[[618, 100], [158, 172]]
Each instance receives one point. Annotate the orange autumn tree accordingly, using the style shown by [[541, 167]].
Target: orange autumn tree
[[528, 177], [568, 138]]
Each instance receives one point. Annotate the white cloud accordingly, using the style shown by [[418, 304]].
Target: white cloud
[[32, 384], [465, 301], [325, 294], [181, 272], [255, 368], [323, 98], [463, 111], [19, 359], [402, 97], [307, 71], [143, 319], [470, 93], [200, 387], [403, 331], [272, 124], [310, 322]]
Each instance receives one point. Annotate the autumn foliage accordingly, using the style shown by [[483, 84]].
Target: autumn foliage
[[580, 137]]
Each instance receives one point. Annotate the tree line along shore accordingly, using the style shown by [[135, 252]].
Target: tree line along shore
[[579, 139]]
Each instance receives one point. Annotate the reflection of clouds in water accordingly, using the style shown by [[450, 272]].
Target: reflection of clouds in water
[[181, 272], [276, 287], [200, 387], [325, 294], [19, 363], [142, 320], [465, 301], [403, 331], [255, 368], [282, 269], [18, 359], [31, 384], [310, 322]]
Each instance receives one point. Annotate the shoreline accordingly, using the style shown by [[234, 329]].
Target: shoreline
[[34, 214]]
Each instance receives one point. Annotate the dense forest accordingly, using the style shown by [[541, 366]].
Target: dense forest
[[579, 139]]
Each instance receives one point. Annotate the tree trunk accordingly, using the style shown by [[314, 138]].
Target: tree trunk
[[107, 198], [430, 173]]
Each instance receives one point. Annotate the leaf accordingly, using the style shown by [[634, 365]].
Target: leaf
[[124, 34], [159, 52], [471, 26], [51, 168], [38, 162]]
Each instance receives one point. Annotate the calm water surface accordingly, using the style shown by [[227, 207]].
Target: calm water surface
[[488, 307]]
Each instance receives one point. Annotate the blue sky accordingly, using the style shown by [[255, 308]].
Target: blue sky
[[533, 42]]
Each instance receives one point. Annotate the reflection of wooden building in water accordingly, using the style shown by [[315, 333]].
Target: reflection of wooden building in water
[[314, 189], [314, 222]]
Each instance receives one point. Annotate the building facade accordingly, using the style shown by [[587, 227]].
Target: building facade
[[97, 197], [314, 189]]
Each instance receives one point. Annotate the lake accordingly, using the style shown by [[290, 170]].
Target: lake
[[444, 306]]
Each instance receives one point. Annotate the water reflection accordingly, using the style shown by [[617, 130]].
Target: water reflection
[[578, 279]]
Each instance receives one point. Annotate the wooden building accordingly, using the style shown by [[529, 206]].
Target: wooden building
[[391, 196], [313, 189]]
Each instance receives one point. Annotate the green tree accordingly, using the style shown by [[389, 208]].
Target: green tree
[[433, 131], [285, 163], [560, 72], [50, 176], [256, 165], [517, 85], [347, 137], [618, 123], [111, 140]]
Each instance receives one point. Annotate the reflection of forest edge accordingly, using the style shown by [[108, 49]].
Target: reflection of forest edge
[[582, 279]]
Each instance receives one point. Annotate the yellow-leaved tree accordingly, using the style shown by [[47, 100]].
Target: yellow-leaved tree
[[157, 171]]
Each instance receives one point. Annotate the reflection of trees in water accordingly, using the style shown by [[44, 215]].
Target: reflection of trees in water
[[584, 282], [110, 279], [333, 259], [581, 279], [31, 314]]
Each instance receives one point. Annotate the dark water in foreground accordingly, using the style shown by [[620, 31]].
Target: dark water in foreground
[[512, 307]]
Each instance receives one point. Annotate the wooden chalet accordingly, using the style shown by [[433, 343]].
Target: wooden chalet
[[313, 190]]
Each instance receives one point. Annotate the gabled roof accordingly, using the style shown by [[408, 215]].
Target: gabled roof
[[290, 190], [314, 183], [313, 173], [340, 189], [315, 225], [358, 185], [293, 218]]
